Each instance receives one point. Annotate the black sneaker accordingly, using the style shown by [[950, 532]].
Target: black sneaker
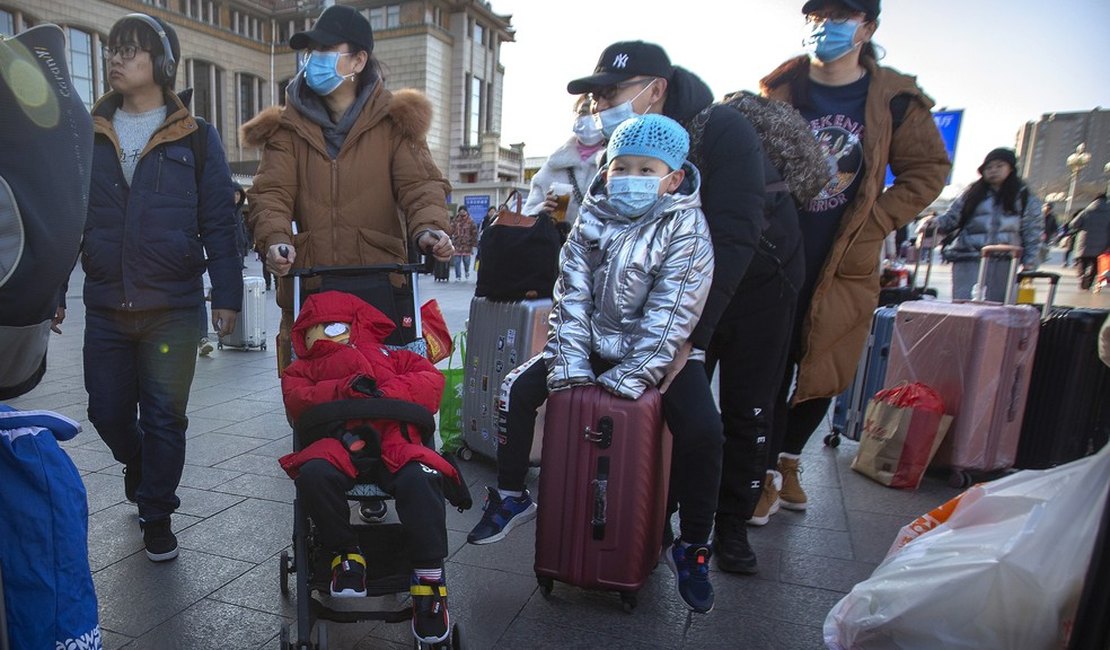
[[501, 516], [161, 543], [734, 553], [348, 576], [373, 512], [132, 476], [430, 621]]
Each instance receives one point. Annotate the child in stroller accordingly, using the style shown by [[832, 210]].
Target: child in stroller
[[338, 340]]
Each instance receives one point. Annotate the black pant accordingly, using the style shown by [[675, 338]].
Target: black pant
[[690, 414], [418, 494], [1088, 267], [794, 424], [750, 345]]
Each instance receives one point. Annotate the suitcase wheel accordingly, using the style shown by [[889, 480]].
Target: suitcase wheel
[[629, 600], [546, 585], [832, 440], [219, 346], [960, 479], [464, 453]]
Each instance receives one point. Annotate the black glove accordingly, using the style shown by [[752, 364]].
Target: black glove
[[365, 385]]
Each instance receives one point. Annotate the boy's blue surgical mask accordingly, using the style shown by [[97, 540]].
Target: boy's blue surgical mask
[[320, 72], [632, 196], [609, 119], [829, 40]]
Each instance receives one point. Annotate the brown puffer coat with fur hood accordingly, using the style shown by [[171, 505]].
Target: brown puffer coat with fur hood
[[366, 206]]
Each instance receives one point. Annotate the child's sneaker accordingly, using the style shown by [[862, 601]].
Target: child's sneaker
[[430, 621], [348, 576], [690, 566], [373, 512], [160, 542], [501, 516]]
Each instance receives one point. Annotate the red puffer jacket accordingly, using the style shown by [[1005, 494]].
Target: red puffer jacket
[[325, 372]]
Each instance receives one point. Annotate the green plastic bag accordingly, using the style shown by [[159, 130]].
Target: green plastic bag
[[450, 406]]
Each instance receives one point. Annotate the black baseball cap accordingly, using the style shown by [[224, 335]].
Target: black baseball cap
[[338, 24], [869, 7], [622, 61]]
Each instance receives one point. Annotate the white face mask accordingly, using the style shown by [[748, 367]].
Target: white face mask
[[587, 131], [609, 119]]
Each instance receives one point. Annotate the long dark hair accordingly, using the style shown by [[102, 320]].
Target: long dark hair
[[1007, 195]]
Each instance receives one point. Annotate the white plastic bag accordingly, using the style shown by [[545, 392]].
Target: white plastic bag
[[1005, 570]]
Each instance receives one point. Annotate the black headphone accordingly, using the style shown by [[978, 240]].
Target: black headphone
[[165, 66]]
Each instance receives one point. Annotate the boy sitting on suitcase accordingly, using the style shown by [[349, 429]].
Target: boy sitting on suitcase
[[634, 277], [340, 356]]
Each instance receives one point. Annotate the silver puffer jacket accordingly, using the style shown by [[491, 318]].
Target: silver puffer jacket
[[629, 290]]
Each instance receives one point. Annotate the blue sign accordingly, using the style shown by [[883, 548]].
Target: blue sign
[[948, 123], [476, 205]]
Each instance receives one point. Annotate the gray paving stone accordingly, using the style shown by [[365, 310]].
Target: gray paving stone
[[104, 490], [768, 561], [781, 534], [89, 460], [532, 633], [726, 630], [269, 488], [256, 464], [795, 604], [823, 572], [211, 624], [271, 425], [204, 503], [114, 533], [277, 448], [205, 478], [211, 449], [136, 595], [259, 589], [824, 509], [250, 530], [515, 554], [873, 533], [235, 411], [201, 425], [202, 397], [272, 395], [820, 467], [112, 640]]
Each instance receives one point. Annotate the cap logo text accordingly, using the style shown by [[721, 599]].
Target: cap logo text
[[620, 61]]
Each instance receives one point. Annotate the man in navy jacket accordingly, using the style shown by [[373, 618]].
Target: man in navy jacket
[[157, 219]]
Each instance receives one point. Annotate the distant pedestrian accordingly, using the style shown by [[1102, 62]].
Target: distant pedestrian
[[999, 208], [464, 234], [1092, 238]]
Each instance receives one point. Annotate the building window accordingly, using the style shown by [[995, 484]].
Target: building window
[[479, 33], [7, 23], [388, 17], [80, 58], [208, 96], [377, 18], [155, 3], [249, 91], [474, 119], [205, 11], [392, 16], [283, 32], [489, 112]]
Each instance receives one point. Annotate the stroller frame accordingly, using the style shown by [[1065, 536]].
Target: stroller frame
[[309, 561]]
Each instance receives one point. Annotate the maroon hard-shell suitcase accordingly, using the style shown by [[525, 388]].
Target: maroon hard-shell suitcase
[[979, 357], [603, 490]]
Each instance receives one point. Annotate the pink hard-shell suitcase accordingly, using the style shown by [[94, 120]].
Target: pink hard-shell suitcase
[[979, 357], [603, 490]]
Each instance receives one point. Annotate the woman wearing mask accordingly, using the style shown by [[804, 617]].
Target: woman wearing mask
[[574, 163], [341, 161], [866, 116], [996, 209]]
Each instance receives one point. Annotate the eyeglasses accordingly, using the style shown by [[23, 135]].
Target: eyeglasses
[[609, 92], [305, 55], [835, 16], [125, 52]]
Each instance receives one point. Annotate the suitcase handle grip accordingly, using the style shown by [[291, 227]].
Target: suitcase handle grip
[[1053, 279], [603, 436]]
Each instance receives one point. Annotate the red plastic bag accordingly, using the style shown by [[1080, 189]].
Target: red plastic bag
[[902, 429], [436, 334]]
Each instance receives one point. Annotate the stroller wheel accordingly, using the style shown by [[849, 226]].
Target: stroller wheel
[[321, 636], [284, 563], [283, 638]]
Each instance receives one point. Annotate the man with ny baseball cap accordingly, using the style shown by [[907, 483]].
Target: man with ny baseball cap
[[623, 61]]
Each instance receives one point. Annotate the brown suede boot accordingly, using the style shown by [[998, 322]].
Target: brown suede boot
[[768, 500], [792, 496]]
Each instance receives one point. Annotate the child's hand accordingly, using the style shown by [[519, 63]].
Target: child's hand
[[676, 366], [365, 385]]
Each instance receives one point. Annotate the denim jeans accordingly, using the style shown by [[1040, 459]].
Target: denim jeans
[[138, 370], [461, 262]]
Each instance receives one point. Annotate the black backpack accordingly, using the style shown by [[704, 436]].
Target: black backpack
[[198, 142]]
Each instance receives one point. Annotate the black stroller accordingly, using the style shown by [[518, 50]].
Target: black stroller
[[388, 569]]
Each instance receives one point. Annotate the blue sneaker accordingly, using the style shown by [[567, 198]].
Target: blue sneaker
[[501, 516], [690, 566]]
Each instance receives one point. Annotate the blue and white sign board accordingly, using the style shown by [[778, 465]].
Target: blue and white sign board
[[476, 205], [948, 123]]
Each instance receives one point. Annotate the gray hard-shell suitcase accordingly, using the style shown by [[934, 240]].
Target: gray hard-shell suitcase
[[849, 407], [500, 336], [250, 326]]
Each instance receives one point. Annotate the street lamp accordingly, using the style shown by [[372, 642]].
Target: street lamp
[[1076, 162]]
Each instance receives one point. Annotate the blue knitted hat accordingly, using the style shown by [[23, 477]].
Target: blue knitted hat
[[654, 136]]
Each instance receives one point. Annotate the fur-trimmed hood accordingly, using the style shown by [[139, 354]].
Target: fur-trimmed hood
[[409, 110]]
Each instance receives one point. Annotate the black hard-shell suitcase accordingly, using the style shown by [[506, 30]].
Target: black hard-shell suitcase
[[1067, 415]]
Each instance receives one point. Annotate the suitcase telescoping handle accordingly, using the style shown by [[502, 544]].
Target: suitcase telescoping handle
[[998, 249], [923, 235], [1053, 279]]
